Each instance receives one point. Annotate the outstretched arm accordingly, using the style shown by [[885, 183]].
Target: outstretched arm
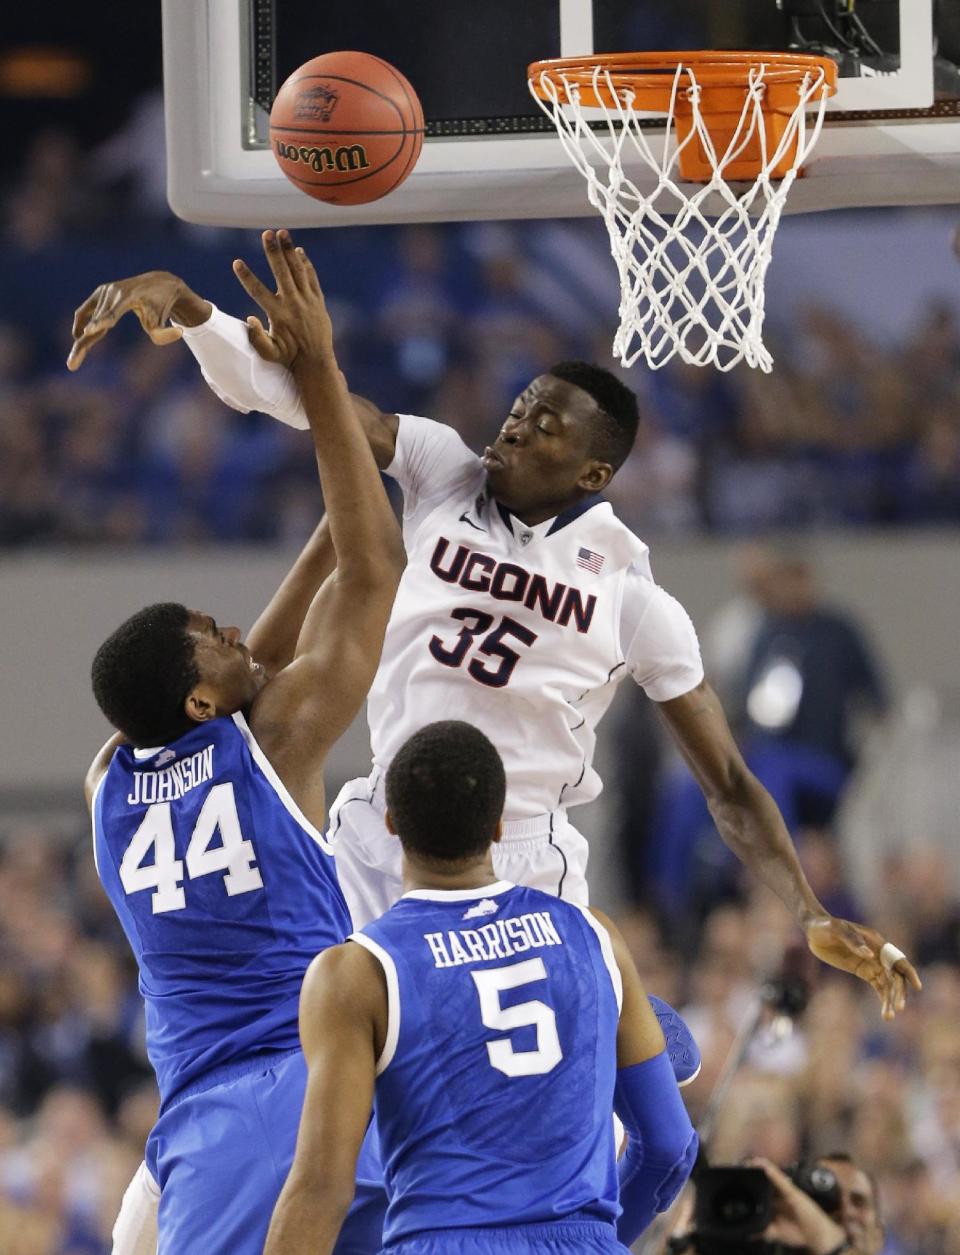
[[273, 638], [272, 345], [306, 707], [246, 365], [750, 823], [343, 1009], [661, 1142], [155, 297]]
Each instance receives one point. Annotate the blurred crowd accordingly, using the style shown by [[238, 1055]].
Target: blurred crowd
[[77, 1096], [77, 1101], [449, 321], [836, 1078]]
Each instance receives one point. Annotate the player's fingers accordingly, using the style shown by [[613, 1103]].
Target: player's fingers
[[112, 305], [898, 996], [109, 303], [152, 322], [898, 968], [909, 973], [81, 347], [82, 314], [884, 992], [264, 345], [889, 1008], [891, 989], [313, 283], [870, 971], [254, 288], [277, 261], [92, 335], [294, 259]]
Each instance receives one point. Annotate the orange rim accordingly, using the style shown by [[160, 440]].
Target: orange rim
[[650, 75]]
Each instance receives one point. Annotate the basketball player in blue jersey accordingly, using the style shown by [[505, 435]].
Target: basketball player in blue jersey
[[525, 601], [492, 1028], [208, 807]]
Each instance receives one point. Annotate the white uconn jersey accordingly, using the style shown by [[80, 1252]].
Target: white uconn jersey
[[523, 631]]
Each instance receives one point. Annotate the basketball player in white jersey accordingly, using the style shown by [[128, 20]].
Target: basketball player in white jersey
[[524, 602]]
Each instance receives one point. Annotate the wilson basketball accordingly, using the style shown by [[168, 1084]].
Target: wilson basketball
[[346, 128]]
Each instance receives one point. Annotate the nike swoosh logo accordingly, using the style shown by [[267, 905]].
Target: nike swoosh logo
[[463, 519]]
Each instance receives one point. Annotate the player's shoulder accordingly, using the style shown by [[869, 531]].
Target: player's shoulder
[[331, 962], [344, 988], [97, 771], [418, 435], [607, 537], [339, 972], [205, 750]]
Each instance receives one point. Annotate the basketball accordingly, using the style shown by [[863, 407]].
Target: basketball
[[346, 128]]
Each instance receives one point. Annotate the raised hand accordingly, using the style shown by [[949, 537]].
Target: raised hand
[[297, 320], [861, 950], [152, 296]]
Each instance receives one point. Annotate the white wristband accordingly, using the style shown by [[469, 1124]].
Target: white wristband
[[889, 955]]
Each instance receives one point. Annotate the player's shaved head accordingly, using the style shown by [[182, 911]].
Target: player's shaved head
[[619, 415], [143, 672], [445, 792]]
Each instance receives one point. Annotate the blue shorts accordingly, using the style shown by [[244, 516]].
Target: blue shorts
[[564, 1237], [221, 1156]]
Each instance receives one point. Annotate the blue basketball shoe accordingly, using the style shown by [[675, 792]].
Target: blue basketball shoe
[[683, 1050]]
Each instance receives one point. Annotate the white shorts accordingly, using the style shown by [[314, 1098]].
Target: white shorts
[[545, 852], [135, 1232]]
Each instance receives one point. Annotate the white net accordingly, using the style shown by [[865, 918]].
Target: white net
[[692, 260]]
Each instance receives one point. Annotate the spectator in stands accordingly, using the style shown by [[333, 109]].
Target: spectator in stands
[[851, 1227], [810, 673], [810, 676]]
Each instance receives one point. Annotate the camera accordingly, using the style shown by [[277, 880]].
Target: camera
[[735, 1205]]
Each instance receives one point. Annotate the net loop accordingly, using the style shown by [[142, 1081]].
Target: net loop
[[693, 252]]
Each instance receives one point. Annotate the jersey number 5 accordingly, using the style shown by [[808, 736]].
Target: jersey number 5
[[534, 1014], [165, 875]]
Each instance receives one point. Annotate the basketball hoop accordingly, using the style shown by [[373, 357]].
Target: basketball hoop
[[692, 261]]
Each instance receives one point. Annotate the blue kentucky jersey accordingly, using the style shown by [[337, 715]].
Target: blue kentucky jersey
[[225, 892], [494, 1094]]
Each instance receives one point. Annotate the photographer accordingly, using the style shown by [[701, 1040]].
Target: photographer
[[829, 1209], [852, 1223]]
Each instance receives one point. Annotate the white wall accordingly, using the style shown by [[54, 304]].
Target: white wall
[[55, 610]]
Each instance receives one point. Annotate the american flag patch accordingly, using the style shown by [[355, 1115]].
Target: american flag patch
[[589, 560]]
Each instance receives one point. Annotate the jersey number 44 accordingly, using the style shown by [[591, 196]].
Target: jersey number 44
[[165, 875]]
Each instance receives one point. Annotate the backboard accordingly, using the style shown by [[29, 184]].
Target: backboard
[[892, 135]]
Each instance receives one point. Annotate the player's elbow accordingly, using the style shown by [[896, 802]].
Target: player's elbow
[[397, 557]]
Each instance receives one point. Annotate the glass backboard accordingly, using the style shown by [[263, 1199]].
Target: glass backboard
[[892, 135]]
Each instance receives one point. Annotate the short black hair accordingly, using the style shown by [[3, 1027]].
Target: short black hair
[[619, 411], [445, 790], [143, 672]]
